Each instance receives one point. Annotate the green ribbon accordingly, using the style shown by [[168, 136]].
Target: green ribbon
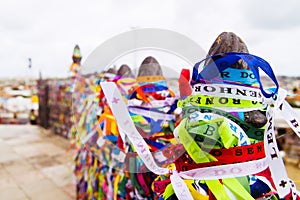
[[251, 131], [233, 184], [227, 137], [244, 181], [133, 178], [122, 185], [169, 191], [212, 131], [191, 146], [217, 189], [206, 133], [237, 188], [209, 101]]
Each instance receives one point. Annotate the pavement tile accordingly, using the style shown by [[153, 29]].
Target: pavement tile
[[35, 149], [8, 131], [43, 160], [13, 193], [34, 165], [64, 159], [7, 182], [38, 187], [17, 166], [28, 177], [23, 139], [3, 172], [52, 149], [57, 140], [70, 189], [4, 148], [9, 156], [61, 175], [12, 130], [55, 194], [28, 150]]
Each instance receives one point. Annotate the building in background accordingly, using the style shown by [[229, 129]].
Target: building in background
[[17, 98]]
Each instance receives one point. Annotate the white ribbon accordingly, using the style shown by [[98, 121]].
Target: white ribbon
[[273, 159], [151, 114], [227, 171], [154, 103], [280, 177], [180, 188], [126, 125], [231, 91]]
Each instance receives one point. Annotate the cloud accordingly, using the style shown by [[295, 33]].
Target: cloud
[[272, 14], [47, 31]]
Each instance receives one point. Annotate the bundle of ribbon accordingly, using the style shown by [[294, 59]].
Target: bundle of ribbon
[[106, 164], [59, 104], [92, 119], [224, 156]]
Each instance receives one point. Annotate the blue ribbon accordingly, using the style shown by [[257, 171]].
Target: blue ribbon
[[239, 75], [111, 138], [225, 60]]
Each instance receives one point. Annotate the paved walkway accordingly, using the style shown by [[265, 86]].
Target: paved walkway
[[34, 164]]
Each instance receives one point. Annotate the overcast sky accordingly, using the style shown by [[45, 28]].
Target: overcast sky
[[47, 31]]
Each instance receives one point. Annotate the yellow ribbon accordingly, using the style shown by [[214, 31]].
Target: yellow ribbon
[[194, 192], [217, 189], [237, 189], [214, 129], [116, 186], [150, 78], [169, 191], [209, 101], [227, 137], [191, 146]]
